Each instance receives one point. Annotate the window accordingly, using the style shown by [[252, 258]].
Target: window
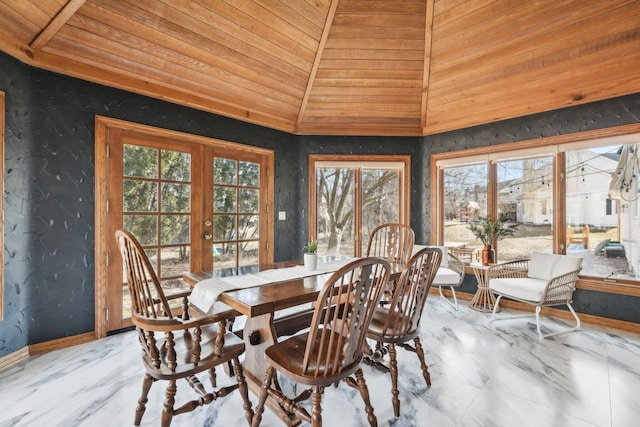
[[465, 202], [573, 196], [351, 195], [525, 195]]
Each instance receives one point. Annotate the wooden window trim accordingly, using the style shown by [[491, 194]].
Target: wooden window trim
[[562, 143], [405, 185]]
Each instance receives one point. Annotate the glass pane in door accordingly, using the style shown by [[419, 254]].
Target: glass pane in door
[[335, 211], [157, 210], [380, 198], [236, 209]]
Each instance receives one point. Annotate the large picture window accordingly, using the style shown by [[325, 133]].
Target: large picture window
[[578, 197], [351, 195]]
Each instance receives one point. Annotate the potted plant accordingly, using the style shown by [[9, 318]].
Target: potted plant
[[489, 231], [311, 255]]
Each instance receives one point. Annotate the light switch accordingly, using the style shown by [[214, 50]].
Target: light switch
[[282, 215]]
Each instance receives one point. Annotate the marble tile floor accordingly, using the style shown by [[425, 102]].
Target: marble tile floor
[[484, 373]]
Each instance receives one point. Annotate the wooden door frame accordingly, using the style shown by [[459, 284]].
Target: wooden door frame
[[105, 125]]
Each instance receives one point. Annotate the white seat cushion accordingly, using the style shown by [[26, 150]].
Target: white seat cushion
[[446, 276], [525, 288]]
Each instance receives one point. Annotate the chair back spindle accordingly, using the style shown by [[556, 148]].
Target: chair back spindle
[[391, 241], [410, 295], [343, 310], [147, 297]]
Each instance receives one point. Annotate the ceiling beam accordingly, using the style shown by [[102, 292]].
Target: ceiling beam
[[316, 62], [428, 32], [56, 23]]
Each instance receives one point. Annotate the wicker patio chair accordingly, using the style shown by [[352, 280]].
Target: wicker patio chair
[[544, 280]]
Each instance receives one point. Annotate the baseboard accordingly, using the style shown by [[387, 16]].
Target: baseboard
[[554, 312], [47, 346], [13, 358]]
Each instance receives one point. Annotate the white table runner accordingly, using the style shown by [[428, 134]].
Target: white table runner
[[206, 292]]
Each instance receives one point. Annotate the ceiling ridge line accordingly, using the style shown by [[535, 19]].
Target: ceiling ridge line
[[316, 62], [426, 69]]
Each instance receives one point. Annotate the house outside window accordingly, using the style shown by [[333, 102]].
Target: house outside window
[[564, 197]]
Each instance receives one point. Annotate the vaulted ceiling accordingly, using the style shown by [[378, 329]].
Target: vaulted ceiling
[[352, 67]]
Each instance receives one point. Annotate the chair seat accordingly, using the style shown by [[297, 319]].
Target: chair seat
[[233, 347], [525, 288], [446, 277], [287, 356], [380, 318]]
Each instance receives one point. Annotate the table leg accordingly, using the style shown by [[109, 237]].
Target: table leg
[[484, 300], [260, 333]]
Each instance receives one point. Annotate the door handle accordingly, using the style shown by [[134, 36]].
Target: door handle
[[207, 236]]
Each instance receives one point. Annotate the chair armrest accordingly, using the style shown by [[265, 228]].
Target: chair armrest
[[455, 263], [190, 311], [511, 269], [560, 288]]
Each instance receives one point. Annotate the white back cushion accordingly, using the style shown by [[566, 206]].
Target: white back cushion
[[546, 266], [443, 249]]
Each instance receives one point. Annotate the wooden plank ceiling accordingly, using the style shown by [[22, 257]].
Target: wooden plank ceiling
[[349, 67]]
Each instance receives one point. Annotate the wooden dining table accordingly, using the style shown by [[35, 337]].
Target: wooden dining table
[[260, 303]]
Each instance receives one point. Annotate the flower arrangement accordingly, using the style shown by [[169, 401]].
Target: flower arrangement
[[311, 247], [489, 230]]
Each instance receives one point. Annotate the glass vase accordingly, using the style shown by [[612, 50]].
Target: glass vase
[[488, 255]]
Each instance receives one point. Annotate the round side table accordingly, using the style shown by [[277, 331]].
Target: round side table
[[483, 300]]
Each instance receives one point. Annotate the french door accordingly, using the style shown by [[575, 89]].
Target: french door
[[193, 206]]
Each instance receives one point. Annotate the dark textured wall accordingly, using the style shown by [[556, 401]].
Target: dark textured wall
[[597, 115], [49, 192], [49, 189], [49, 182]]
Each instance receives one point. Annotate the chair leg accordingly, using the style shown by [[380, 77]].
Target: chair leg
[[575, 316], [243, 389], [496, 306], [454, 304], [213, 377], [538, 309], [364, 392], [423, 364], [264, 392], [167, 410], [147, 382], [316, 408], [540, 336], [575, 328], [393, 371]]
